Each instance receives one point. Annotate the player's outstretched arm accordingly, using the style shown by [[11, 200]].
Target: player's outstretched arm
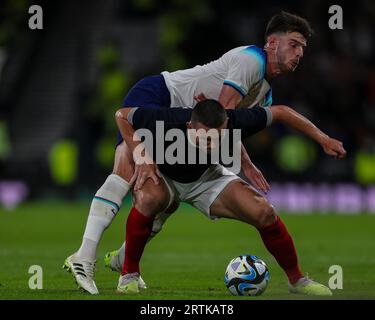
[[145, 168], [298, 122]]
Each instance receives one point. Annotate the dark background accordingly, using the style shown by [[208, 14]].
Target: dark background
[[60, 86]]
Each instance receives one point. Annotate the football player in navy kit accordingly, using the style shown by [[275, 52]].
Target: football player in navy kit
[[240, 78], [209, 187]]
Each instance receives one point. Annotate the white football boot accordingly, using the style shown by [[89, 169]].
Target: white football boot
[[114, 261], [128, 283], [83, 273], [309, 287]]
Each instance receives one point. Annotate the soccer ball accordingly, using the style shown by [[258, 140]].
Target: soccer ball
[[247, 275]]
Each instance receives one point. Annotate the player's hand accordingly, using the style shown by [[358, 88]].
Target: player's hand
[[142, 172], [256, 178], [200, 97], [333, 148]]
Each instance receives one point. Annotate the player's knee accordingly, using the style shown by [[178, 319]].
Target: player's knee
[[266, 214], [150, 201]]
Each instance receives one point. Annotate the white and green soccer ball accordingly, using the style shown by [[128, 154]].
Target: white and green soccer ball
[[246, 275]]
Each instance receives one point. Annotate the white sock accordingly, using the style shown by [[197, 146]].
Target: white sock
[[104, 207], [157, 225]]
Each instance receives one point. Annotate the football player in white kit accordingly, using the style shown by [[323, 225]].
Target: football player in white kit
[[240, 78]]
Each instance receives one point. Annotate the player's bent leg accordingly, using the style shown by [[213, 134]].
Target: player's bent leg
[[148, 201], [114, 260], [103, 209], [241, 202]]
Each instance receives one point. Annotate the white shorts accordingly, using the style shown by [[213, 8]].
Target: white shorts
[[203, 192]]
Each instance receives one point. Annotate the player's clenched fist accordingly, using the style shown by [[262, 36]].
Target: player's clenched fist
[[333, 147]]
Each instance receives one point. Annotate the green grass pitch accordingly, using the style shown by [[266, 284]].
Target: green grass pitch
[[186, 260]]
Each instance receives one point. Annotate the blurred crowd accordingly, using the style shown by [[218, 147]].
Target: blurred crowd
[[115, 43]]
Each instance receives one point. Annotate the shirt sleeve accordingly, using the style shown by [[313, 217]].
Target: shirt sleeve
[[146, 118], [143, 118], [249, 120], [131, 115], [245, 70]]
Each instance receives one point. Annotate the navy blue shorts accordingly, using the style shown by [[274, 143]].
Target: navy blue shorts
[[150, 92]]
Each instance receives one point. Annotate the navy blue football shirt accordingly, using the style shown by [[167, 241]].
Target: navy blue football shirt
[[248, 120]]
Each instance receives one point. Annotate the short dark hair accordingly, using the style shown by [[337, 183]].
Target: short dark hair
[[285, 21], [209, 112]]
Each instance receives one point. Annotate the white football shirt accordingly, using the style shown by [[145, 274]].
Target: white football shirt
[[242, 68]]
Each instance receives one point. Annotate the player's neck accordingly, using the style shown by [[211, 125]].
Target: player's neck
[[272, 66]]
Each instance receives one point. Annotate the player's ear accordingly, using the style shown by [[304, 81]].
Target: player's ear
[[272, 42]]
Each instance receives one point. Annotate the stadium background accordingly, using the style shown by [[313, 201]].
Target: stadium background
[[60, 87]]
